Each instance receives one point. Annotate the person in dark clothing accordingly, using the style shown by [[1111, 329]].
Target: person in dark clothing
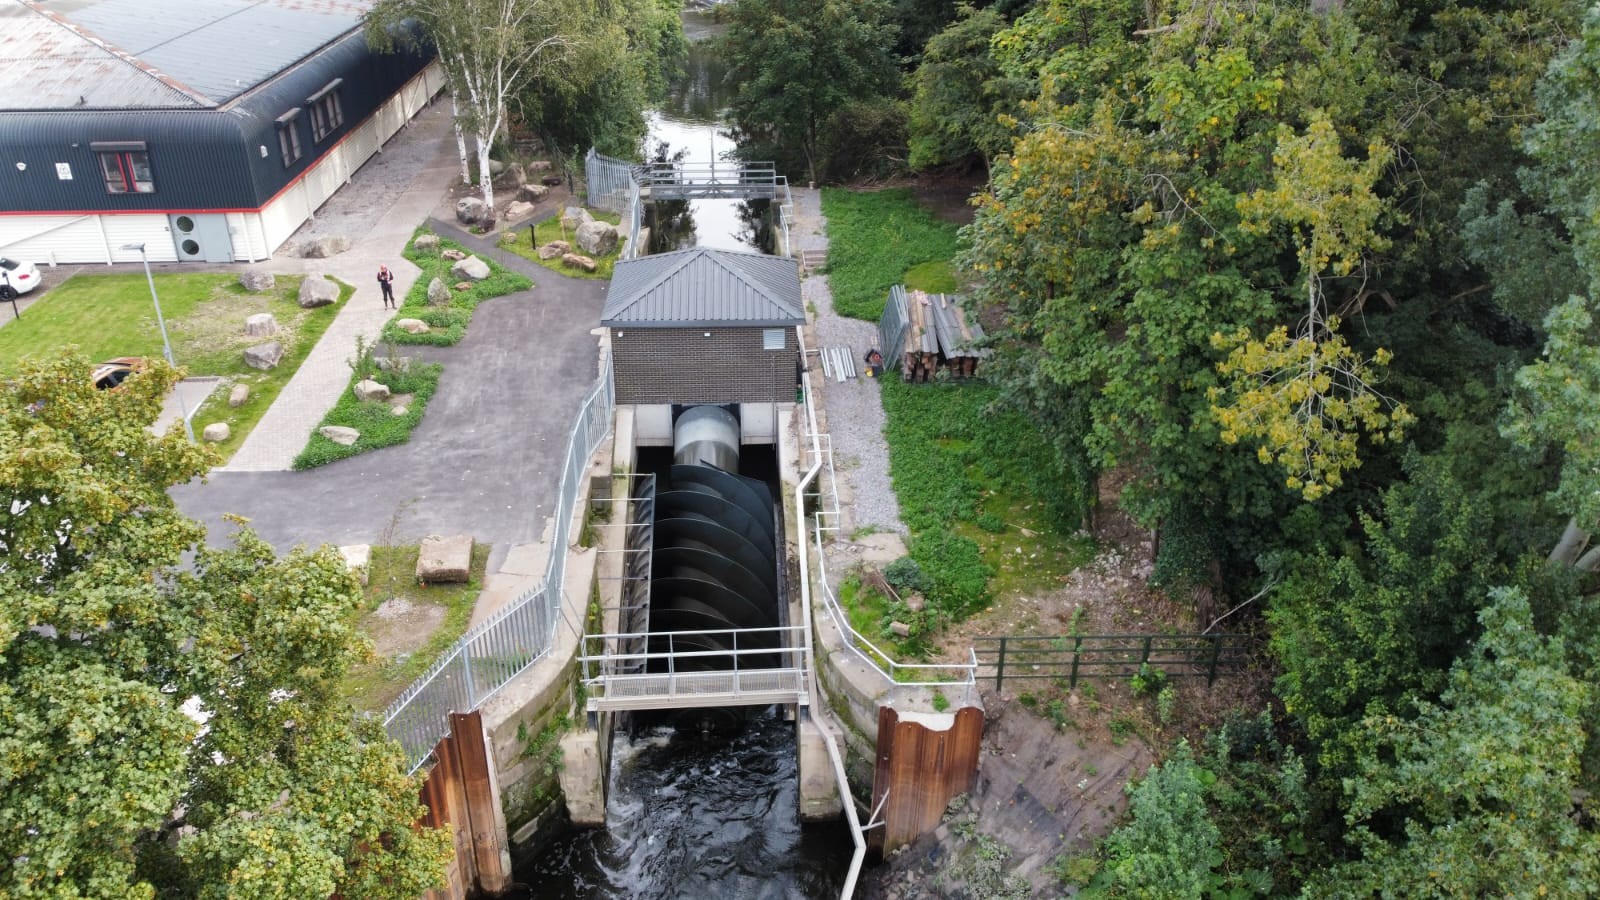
[[386, 281]]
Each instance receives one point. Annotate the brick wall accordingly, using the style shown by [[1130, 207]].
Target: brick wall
[[682, 365]]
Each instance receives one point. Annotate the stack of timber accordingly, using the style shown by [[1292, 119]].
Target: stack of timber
[[939, 332]]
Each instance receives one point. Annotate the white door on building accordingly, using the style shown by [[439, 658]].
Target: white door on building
[[202, 237]]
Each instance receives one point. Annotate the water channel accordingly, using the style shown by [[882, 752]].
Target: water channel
[[695, 813]]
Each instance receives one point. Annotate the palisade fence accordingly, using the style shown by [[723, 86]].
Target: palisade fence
[[614, 184], [484, 659]]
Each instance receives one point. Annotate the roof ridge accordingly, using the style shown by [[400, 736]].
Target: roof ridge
[[121, 54]]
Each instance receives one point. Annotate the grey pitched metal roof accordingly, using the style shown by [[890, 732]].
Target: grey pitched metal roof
[[143, 54], [702, 286]]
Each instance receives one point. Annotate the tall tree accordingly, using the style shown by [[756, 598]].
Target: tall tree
[[489, 51], [166, 732], [959, 95], [797, 62]]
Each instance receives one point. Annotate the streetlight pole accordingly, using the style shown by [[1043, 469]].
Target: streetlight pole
[[166, 345]]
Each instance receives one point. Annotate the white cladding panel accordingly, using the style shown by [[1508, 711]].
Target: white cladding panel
[[48, 240], [153, 231]]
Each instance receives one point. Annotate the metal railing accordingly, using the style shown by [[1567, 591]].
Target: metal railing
[[1073, 656], [616, 185], [691, 676], [484, 659]]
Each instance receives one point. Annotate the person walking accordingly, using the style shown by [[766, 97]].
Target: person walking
[[386, 282]]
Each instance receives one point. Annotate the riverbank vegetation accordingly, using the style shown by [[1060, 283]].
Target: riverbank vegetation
[[1314, 289]]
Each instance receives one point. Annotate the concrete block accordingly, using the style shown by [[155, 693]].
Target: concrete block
[[819, 786], [583, 778]]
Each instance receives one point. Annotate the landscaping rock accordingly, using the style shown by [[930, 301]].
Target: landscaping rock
[[318, 290], [261, 325], [256, 281], [325, 246], [533, 192], [239, 394], [573, 216], [519, 174], [453, 254], [471, 210], [518, 209], [552, 180], [463, 285], [900, 629], [263, 356], [438, 294], [496, 167], [576, 261], [340, 434], [216, 432], [398, 410], [426, 243], [371, 390], [554, 249], [358, 559], [445, 559], [392, 363], [471, 267], [539, 165], [915, 603], [597, 238], [412, 326]]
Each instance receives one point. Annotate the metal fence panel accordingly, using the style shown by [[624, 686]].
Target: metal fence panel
[[892, 326], [487, 657]]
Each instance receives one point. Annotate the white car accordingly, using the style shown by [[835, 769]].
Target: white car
[[16, 278]]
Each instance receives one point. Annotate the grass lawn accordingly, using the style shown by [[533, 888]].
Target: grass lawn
[[550, 230], [875, 238], [106, 316], [409, 635]]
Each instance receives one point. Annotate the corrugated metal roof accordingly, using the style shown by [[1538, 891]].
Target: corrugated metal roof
[[122, 54], [703, 286]]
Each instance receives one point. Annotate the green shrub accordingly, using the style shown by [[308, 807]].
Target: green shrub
[[905, 576], [958, 578], [378, 425]]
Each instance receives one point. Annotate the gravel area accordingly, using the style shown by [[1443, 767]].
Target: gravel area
[[852, 410]]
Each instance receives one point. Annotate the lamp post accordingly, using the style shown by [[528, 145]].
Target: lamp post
[[166, 345]]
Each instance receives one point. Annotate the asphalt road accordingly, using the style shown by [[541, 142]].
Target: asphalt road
[[487, 458]]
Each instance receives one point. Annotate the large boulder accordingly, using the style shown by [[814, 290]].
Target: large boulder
[[554, 250], [438, 294], [216, 432], [471, 210], [573, 216], [519, 174], [445, 559], [597, 238], [577, 261], [539, 165], [517, 210], [339, 434], [358, 559], [325, 246], [412, 326], [261, 325], [471, 267], [255, 280], [318, 290], [533, 192], [426, 243], [496, 167], [368, 389], [263, 356]]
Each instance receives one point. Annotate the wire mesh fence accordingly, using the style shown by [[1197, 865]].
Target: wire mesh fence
[[487, 657]]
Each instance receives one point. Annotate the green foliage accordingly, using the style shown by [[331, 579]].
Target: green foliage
[[1149, 680], [932, 277], [939, 701], [865, 138], [796, 64], [1169, 846], [116, 617], [906, 576], [447, 325], [1475, 795], [874, 239], [375, 419], [958, 578], [958, 94]]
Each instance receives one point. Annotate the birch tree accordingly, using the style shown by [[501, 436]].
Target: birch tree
[[489, 50]]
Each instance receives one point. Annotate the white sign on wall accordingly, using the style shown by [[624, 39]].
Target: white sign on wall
[[64, 171]]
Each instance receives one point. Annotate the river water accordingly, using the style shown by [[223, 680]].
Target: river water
[[696, 816], [689, 125]]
